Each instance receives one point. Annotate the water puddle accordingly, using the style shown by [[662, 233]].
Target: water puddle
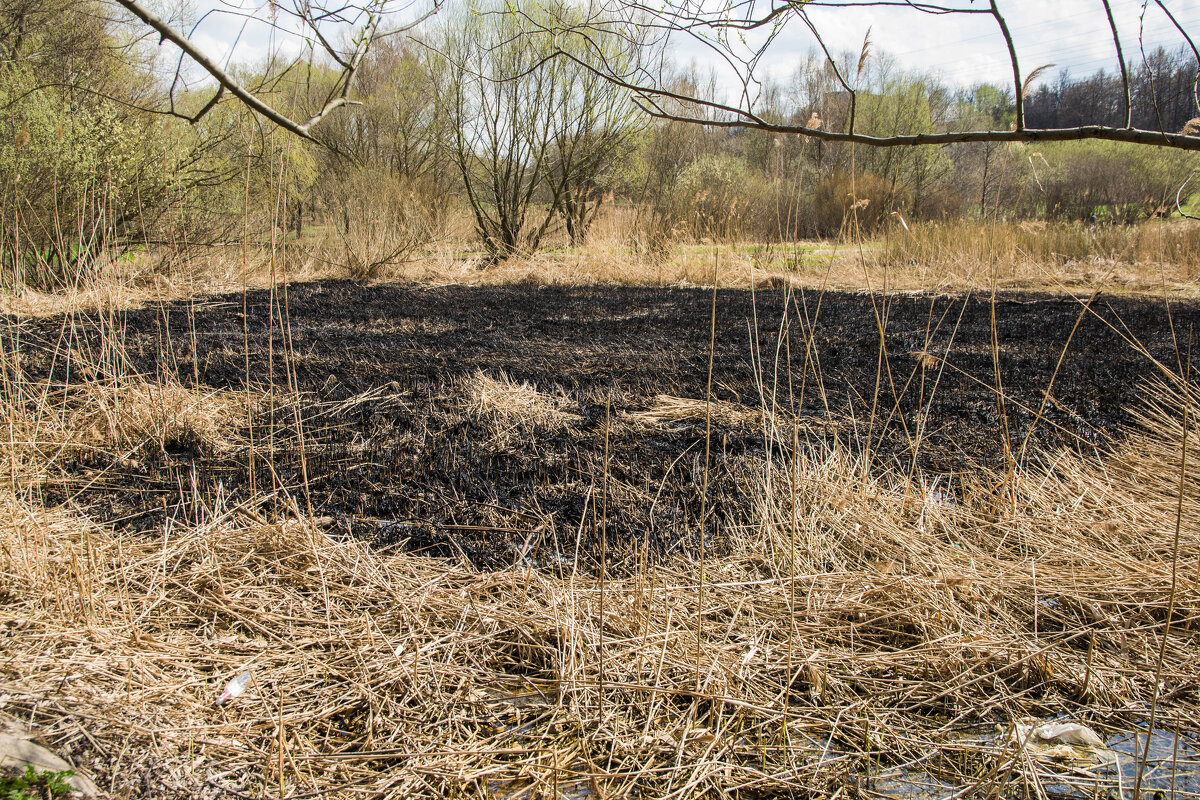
[[1044, 759], [1171, 770]]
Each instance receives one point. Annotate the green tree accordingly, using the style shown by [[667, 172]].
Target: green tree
[[84, 171]]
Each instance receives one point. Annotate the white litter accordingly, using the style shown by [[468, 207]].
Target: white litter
[[1071, 733], [234, 688], [1070, 741]]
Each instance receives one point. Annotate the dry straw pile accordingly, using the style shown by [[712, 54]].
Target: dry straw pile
[[668, 409], [849, 637]]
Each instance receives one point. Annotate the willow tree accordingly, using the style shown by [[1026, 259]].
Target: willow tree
[[83, 171], [532, 135]]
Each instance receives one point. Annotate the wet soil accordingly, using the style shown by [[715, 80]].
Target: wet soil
[[409, 463]]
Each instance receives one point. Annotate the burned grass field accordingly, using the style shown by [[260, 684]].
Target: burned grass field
[[465, 541], [474, 422]]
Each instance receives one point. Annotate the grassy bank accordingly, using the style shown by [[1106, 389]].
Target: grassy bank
[[1154, 258]]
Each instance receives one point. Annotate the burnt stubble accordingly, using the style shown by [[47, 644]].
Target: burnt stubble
[[414, 466]]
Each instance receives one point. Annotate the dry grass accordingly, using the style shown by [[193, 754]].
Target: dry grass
[[602, 263], [512, 402], [856, 627], [125, 420], [853, 633], [667, 409], [167, 274], [1151, 258]]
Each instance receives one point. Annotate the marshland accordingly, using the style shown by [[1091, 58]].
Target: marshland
[[642, 458]]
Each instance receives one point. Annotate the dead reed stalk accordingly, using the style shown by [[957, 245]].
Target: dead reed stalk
[[858, 627]]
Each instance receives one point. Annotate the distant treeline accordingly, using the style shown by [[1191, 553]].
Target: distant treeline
[[1162, 92]]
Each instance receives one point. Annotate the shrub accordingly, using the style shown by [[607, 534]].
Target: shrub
[[864, 200], [82, 175], [374, 222], [712, 196], [1118, 183]]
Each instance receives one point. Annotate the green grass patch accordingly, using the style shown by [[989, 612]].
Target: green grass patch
[[34, 785]]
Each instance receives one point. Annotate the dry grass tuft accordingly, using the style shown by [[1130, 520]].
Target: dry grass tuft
[[126, 420], [926, 359], [137, 417], [668, 409], [509, 401]]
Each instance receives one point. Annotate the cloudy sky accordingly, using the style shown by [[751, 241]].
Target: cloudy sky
[[963, 49]]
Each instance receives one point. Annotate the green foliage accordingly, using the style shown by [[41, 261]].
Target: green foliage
[[988, 107], [1116, 182], [843, 200], [395, 130], [488, 120], [75, 167], [713, 194], [84, 173], [34, 785], [915, 173]]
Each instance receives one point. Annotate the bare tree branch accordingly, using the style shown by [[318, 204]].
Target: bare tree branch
[[1192, 44], [1107, 133], [1179, 197], [1018, 86], [208, 65], [726, 28], [312, 16], [1112, 24], [743, 118]]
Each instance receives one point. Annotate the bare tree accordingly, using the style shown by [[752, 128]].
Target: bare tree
[[532, 135], [592, 129], [499, 103]]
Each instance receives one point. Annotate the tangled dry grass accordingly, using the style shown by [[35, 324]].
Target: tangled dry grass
[[128, 419], [512, 402], [668, 409], [849, 636]]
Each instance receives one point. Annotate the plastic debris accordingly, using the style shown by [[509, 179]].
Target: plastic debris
[[234, 688], [1069, 741], [1068, 733]]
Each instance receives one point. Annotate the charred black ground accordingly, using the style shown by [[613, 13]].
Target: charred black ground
[[415, 468]]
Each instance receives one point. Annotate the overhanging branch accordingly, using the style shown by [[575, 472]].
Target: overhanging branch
[[1106, 133], [685, 17], [741, 118], [339, 96], [222, 77]]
